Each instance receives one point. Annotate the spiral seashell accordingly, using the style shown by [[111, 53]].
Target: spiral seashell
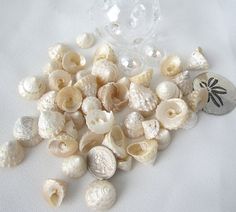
[[85, 40], [57, 51], [52, 66], [197, 61], [143, 78], [54, 191], [151, 128], [163, 139], [48, 102], [77, 117], [171, 65], [125, 164], [168, 90], [172, 113], [59, 79], [91, 103], [105, 52], [191, 121], [145, 151], [32, 88], [11, 154], [70, 129], [198, 99]]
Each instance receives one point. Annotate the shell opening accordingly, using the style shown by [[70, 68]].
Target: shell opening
[[138, 149], [54, 198]]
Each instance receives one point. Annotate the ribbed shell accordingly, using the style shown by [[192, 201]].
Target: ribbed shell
[[184, 82], [143, 78], [48, 102], [105, 52], [198, 99], [197, 61]]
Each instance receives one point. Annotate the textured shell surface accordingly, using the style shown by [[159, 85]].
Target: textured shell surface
[[163, 139], [57, 51], [85, 40], [100, 195], [82, 73], [197, 61], [191, 122], [167, 90], [143, 78], [125, 164], [198, 99], [171, 65], [77, 117], [151, 128], [91, 103], [48, 102], [125, 81], [71, 129], [105, 52], [11, 154], [59, 79], [52, 66]]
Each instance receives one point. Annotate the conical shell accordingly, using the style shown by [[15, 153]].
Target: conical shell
[[124, 81], [70, 129], [198, 99], [57, 51], [151, 128], [168, 90], [48, 102], [143, 78], [85, 40], [77, 117], [171, 65], [52, 66], [163, 139], [197, 61], [59, 79], [105, 52], [125, 164], [91, 103]]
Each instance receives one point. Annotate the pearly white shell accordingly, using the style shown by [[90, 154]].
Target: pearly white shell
[[197, 61], [91, 103], [59, 79], [77, 117], [52, 66], [167, 90], [197, 99], [163, 139], [48, 102], [82, 73], [85, 40], [105, 52], [125, 164], [171, 65], [70, 129], [143, 78], [151, 128], [57, 51]]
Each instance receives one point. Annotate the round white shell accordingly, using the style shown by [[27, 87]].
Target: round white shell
[[167, 90], [163, 139], [151, 128], [171, 65], [57, 51], [52, 66], [48, 102], [59, 79], [91, 103], [85, 40], [105, 52]]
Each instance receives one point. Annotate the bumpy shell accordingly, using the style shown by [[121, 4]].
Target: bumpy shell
[[82, 73], [54, 191], [74, 166], [172, 113], [143, 78], [99, 121], [198, 99], [59, 79], [163, 139], [57, 51], [85, 40], [77, 117], [191, 121], [62, 145], [91, 103], [125, 164], [32, 88], [171, 65], [26, 131], [70, 129], [105, 52], [168, 90], [151, 128], [145, 151], [52, 66], [50, 124], [69, 99], [100, 195], [48, 102], [197, 61]]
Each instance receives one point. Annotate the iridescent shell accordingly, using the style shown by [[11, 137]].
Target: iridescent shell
[[77, 117], [91, 103], [163, 139], [85, 40], [198, 99], [197, 61], [168, 90], [48, 102], [143, 78], [151, 128], [57, 51], [105, 52], [59, 79], [171, 65]]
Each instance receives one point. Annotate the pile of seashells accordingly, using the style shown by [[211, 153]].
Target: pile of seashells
[[70, 97]]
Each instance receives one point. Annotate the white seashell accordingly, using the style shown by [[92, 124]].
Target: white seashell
[[191, 121], [59, 79], [171, 65], [69, 99], [133, 125], [77, 117], [99, 121], [74, 166], [52, 66], [91, 103], [48, 102], [198, 99], [85, 40], [163, 139], [124, 81], [167, 90], [26, 131], [105, 52], [70, 129], [105, 71], [57, 51], [172, 113], [125, 164], [50, 124], [100, 195], [151, 128], [143, 78], [197, 60], [62, 145], [145, 151], [82, 73], [54, 191], [32, 88], [11, 154]]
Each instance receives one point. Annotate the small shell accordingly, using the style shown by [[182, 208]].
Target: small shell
[[133, 125], [151, 128], [172, 113], [191, 121], [99, 121], [70, 129], [163, 139], [125, 164], [73, 62], [198, 99], [105, 71], [32, 88], [52, 66], [74, 166], [69, 99], [62, 145], [57, 51], [54, 191], [26, 131], [85, 40], [100, 195], [82, 73], [50, 124], [59, 79], [170, 66], [77, 117], [91, 103], [143, 78], [145, 151], [197, 61], [48, 102], [167, 90], [11, 154], [105, 52]]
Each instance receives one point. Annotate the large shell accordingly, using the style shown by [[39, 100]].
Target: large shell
[[100, 195], [163, 139], [197, 60], [62, 145], [198, 99], [85, 40], [143, 78], [71, 129], [168, 90], [151, 128], [171, 65], [77, 117], [125, 164], [32, 88], [57, 51], [54, 191], [172, 113], [105, 52], [52, 66], [59, 79], [91, 103], [48, 102], [99, 121], [50, 124], [69, 99], [145, 151]]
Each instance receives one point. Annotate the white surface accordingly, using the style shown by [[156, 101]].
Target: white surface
[[196, 173]]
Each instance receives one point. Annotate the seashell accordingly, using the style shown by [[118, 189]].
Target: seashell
[[82, 73], [74, 166], [105, 52], [105, 71], [114, 96], [124, 81], [116, 142], [170, 66], [163, 139], [172, 113], [143, 78], [11, 154], [52, 66], [50, 124], [133, 125], [90, 140], [198, 99], [54, 191], [91, 103], [48, 102], [69, 99], [85, 40], [100, 195], [197, 60], [125, 164], [87, 85], [57, 51], [26, 131], [32, 88], [168, 90], [99, 121], [151, 128], [145, 151], [62, 145], [59, 79], [70, 129], [77, 117], [141, 98], [73, 62], [191, 121]]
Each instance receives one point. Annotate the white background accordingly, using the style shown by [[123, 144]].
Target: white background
[[196, 173]]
